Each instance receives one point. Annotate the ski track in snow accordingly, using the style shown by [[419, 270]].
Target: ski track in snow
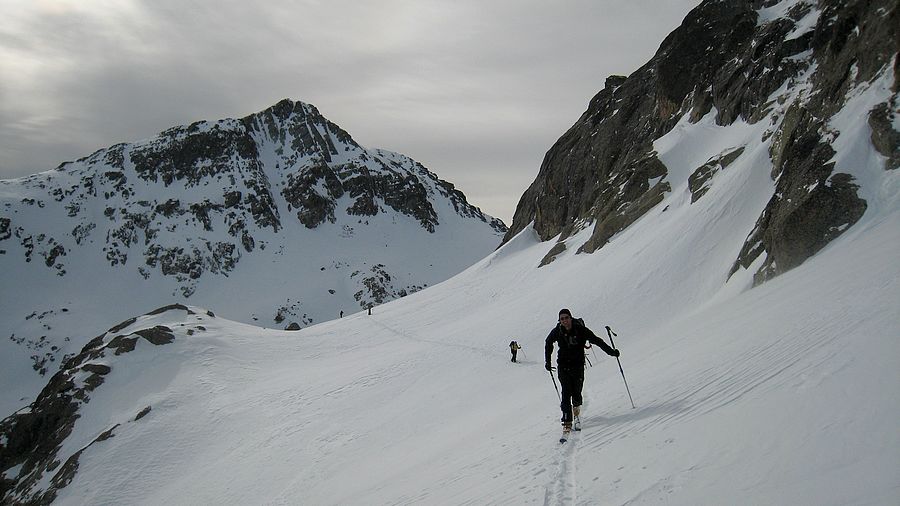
[[562, 487], [437, 342]]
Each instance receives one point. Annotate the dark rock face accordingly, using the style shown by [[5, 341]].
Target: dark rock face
[[885, 139], [35, 435], [812, 204], [605, 163], [603, 171], [700, 178]]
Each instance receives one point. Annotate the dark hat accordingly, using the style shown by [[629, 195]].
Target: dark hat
[[565, 311]]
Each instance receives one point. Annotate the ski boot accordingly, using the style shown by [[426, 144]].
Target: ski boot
[[566, 430]]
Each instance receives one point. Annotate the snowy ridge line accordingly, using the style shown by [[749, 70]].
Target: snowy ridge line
[[61, 414]]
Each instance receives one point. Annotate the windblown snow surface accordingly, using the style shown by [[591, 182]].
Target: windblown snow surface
[[786, 393]]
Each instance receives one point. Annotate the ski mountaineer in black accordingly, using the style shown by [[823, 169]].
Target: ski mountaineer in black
[[571, 336]]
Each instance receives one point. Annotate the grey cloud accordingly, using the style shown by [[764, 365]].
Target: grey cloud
[[477, 91]]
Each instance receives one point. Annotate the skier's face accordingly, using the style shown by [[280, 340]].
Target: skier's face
[[566, 321]]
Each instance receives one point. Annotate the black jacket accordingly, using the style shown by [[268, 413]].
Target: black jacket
[[571, 345]]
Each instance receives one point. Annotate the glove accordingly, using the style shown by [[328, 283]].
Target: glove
[[615, 353], [547, 366]]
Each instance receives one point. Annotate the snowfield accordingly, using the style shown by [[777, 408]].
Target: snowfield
[[784, 394]]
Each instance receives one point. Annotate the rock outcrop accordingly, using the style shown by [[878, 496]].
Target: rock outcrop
[[32, 461], [736, 59]]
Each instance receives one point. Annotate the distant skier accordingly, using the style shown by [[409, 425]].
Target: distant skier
[[571, 336], [514, 348]]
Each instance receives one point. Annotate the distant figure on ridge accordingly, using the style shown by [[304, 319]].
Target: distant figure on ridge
[[514, 347]]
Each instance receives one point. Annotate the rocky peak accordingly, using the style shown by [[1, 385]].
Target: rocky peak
[[737, 58], [236, 176], [168, 216], [301, 127]]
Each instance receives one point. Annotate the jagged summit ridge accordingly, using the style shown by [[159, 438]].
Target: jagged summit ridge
[[234, 178]]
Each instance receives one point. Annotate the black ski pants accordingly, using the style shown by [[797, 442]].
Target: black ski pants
[[570, 381]]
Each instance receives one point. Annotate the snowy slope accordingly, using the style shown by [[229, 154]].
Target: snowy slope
[[785, 393]]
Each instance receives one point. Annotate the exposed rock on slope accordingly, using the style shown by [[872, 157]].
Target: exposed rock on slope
[[34, 438], [793, 64]]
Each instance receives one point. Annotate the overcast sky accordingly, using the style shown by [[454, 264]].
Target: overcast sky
[[475, 90]]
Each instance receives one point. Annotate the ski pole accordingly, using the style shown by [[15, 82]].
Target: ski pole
[[554, 384], [610, 333], [588, 346]]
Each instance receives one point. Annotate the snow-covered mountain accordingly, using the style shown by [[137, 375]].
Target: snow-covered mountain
[[787, 71], [749, 388], [278, 219]]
